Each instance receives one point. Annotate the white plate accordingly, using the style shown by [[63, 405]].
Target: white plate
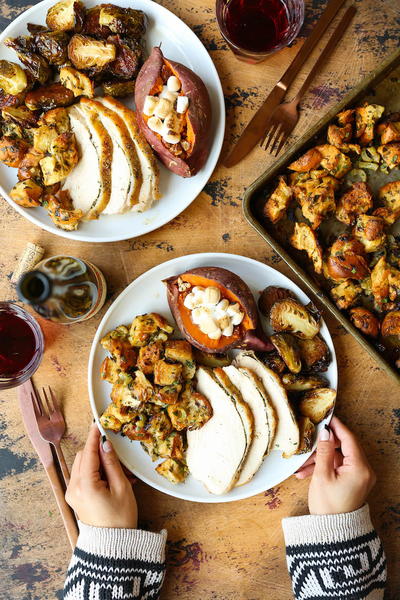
[[147, 294], [178, 43]]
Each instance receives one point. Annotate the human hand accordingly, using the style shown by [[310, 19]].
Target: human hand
[[101, 499], [341, 475]]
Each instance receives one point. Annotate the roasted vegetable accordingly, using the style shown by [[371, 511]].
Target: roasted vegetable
[[66, 15], [277, 204], [118, 89], [270, 295], [27, 193], [13, 79], [391, 324], [273, 361], [304, 238], [238, 326], [366, 117], [77, 82], [124, 21], [370, 231], [346, 293], [87, 53], [49, 96], [52, 45], [307, 435], [12, 151], [365, 321], [317, 404], [289, 315], [128, 58], [20, 115], [314, 354], [310, 160], [356, 201], [184, 146], [303, 383], [287, 350], [149, 328], [173, 470], [35, 64], [210, 360]]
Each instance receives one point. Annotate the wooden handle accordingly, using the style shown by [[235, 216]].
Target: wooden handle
[[62, 463], [66, 512], [329, 48], [329, 13]]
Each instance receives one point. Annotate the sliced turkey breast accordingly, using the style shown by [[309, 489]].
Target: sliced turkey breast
[[216, 452], [256, 397], [150, 190], [126, 177], [287, 437]]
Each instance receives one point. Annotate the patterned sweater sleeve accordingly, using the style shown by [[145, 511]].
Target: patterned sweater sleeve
[[116, 563], [335, 556]]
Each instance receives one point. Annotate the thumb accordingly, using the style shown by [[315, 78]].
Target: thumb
[[111, 465], [325, 454]]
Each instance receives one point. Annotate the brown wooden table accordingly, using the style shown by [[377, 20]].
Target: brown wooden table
[[218, 551]]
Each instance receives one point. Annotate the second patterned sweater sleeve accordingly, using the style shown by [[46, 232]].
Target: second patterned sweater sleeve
[[116, 563], [335, 556]]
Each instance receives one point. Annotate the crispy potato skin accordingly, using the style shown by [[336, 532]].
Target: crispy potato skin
[[199, 114], [365, 321]]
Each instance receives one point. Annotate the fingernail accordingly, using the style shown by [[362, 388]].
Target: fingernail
[[325, 434], [107, 446]]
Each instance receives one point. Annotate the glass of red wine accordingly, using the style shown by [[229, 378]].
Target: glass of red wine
[[21, 345], [256, 28]]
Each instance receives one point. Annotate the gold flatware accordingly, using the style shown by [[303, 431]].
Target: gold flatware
[[43, 450], [285, 117], [259, 123], [51, 424]]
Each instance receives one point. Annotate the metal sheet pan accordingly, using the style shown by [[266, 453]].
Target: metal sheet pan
[[382, 86]]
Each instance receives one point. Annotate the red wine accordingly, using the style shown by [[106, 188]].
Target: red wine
[[254, 25], [17, 344]]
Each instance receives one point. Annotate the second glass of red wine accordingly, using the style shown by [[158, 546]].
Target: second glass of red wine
[[256, 28]]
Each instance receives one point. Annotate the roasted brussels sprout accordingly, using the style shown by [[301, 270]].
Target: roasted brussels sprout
[[35, 28], [52, 45], [316, 404], [35, 64], [270, 295], [125, 21], [13, 79], [391, 324], [87, 53], [303, 383], [365, 321], [20, 115], [10, 100], [77, 82], [315, 354], [27, 193], [273, 361], [12, 151], [128, 59], [49, 96], [67, 15], [289, 315], [211, 360], [118, 89], [287, 350], [307, 435]]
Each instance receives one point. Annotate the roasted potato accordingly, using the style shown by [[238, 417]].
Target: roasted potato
[[12, 151], [192, 128], [277, 204], [287, 349], [304, 238], [67, 15], [289, 315], [149, 328], [370, 231], [149, 355], [366, 117], [310, 160], [314, 354], [355, 201], [87, 53], [302, 383], [365, 321], [77, 82], [181, 351], [389, 196], [173, 470], [27, 193], [346, 293], [270, 295], [317, 404], [391, 324], [166, 373], [49, 96], [307, 435], [390, 154], [13, 79]]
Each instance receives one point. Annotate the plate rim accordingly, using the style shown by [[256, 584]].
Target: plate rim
[[95, 343], [217, 141]]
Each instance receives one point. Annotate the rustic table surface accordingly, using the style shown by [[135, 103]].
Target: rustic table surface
[[219, 551]]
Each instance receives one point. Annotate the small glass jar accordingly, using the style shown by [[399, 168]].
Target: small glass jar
[[21, 345]]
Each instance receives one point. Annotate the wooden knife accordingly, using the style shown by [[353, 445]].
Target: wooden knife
[[259, 123], [45, 454]]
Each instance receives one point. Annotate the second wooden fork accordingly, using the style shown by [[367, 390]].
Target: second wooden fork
[[285, 117], [51, 424]]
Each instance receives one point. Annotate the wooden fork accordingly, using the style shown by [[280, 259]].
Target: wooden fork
[[285, 117], [51, 424]]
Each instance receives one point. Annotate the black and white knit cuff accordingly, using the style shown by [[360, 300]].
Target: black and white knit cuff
[[122, 543]]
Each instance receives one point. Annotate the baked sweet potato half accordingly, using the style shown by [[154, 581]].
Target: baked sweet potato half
[[215, 310], [174, 113]]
